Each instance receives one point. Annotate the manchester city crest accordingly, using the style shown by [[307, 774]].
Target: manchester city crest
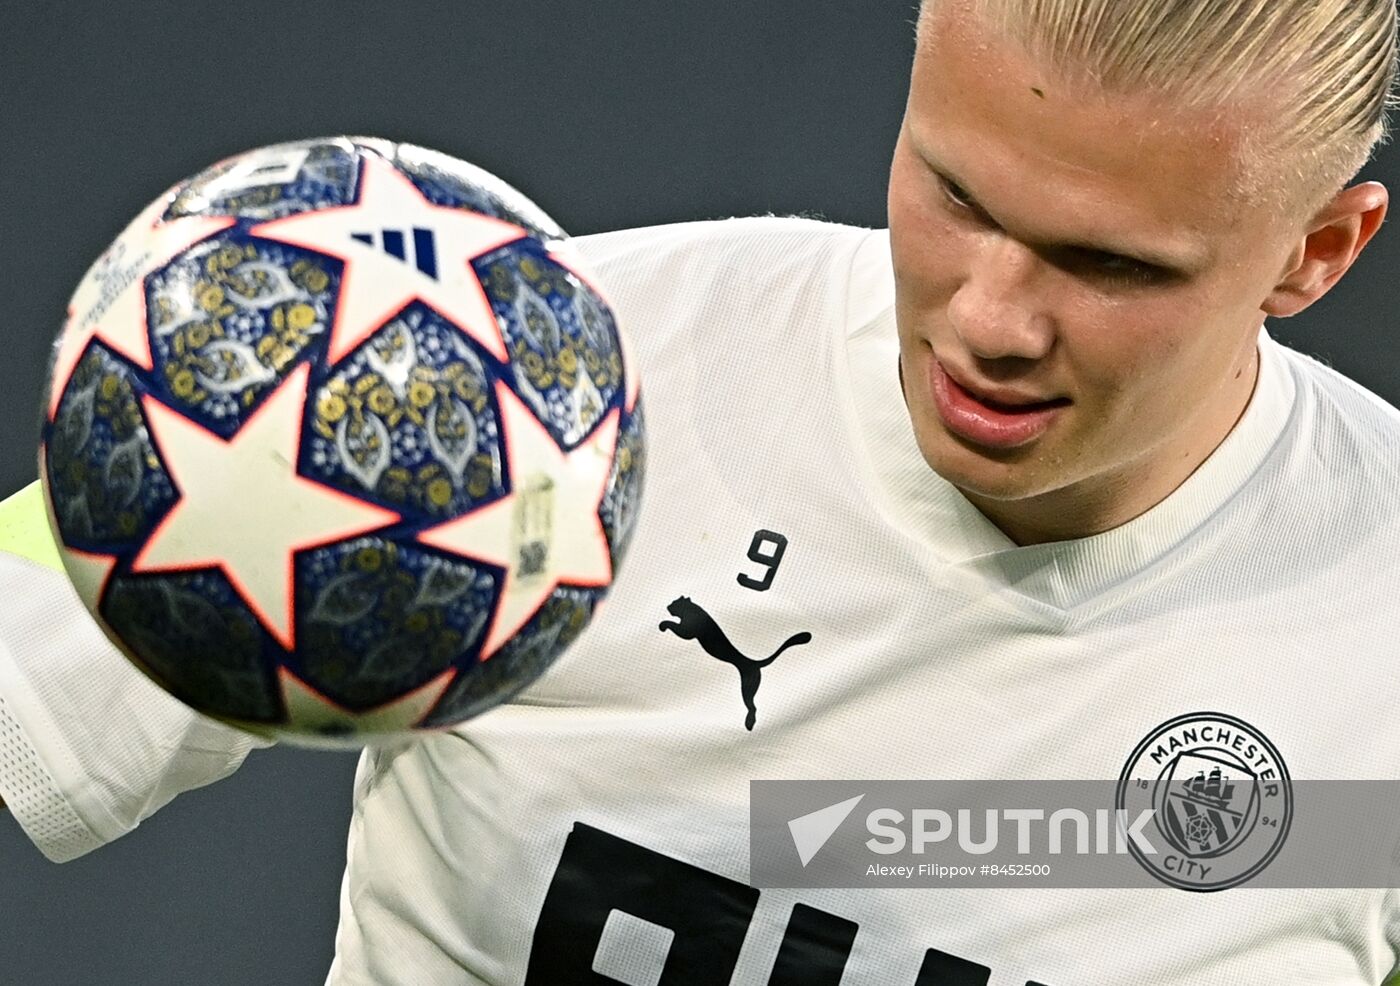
[[1220, 797]]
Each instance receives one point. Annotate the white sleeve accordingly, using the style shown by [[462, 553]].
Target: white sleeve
[[89, 747]]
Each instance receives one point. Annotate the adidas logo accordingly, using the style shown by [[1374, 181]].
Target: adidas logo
[[398, 243]]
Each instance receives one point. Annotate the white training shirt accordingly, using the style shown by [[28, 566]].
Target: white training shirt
[[552, 840]]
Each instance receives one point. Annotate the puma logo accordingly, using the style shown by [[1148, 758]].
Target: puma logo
[[693, 623]]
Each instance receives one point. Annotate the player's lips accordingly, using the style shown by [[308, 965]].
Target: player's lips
[[988, 415]]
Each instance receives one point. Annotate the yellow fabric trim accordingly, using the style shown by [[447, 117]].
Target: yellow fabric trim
[[24, 528]]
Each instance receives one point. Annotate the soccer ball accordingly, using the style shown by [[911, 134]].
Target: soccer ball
[[342, 443]]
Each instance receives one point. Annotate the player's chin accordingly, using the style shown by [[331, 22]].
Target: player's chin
[[994, 473]]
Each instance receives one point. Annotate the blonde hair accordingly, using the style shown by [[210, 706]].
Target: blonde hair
[[1323, 72]]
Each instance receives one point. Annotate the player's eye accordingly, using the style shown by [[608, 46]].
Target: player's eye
[[1100, 264], [955, 194], [1119, 268]]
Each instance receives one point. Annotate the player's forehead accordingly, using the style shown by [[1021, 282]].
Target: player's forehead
[[1066, 161]]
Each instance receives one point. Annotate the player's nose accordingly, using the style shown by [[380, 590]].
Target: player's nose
[[996, 312]]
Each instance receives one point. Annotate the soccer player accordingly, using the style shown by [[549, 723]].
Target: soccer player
[[1005, 489]]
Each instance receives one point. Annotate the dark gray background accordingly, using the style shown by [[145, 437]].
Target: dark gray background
[[610, 113]]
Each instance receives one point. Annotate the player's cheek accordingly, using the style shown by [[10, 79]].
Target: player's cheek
[[1131, 394], [1111, 354], [918, 230], [928, 252]]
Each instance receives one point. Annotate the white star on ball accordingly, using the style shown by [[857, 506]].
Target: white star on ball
[[546, 532], [243, 507], [309, 710]]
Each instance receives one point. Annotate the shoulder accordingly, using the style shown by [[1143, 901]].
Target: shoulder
[[1351, 428], [711, 283], [1340, 474], [716, 244], [722, 261]]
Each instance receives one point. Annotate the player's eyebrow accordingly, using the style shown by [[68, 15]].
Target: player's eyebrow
[[1183, 262]]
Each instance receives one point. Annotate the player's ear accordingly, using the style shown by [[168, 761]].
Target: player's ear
[[1335, 238]]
